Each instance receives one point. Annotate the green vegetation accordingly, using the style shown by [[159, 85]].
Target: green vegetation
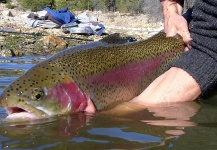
[[72, 4], [132, 6], [9, 5], [36, 5]]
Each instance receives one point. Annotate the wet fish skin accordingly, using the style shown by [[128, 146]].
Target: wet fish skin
[[106, 74]]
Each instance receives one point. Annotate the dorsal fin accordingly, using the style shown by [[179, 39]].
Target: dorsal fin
[[114, 39]]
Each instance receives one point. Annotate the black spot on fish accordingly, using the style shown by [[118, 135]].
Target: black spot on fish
[[36, 90]]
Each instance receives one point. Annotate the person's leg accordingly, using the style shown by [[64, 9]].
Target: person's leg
[[175, 85]]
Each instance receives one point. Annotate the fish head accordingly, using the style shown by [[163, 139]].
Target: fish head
[[41, 93]]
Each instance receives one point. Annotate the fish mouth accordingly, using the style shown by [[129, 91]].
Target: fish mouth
[[12, 110], [18, 114]]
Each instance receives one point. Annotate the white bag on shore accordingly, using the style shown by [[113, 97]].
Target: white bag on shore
[[39, 23]]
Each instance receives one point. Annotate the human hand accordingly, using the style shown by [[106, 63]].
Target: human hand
[[174, 22]]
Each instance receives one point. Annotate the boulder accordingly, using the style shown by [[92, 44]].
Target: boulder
[[7, 13], [54, 41]]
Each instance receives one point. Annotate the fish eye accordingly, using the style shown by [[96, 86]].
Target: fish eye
[[37, 94]]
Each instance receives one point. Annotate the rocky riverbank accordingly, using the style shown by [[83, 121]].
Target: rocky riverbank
[[17, 39]]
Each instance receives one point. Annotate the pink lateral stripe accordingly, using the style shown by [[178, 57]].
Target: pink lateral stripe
[[130, 73]]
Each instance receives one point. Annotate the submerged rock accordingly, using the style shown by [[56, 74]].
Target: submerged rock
[[54, 41]]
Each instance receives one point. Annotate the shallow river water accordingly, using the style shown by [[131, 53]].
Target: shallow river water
[[184, 126]]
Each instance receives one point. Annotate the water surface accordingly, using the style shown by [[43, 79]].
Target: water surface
[[186, 126]]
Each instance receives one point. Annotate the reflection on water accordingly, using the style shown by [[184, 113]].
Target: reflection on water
[[179, 126], [13, 67], [100, 132]]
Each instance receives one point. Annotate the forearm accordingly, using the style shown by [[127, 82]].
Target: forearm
[[172, 6]]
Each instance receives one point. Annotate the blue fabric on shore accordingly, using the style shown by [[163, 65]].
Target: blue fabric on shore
[[62, 15]]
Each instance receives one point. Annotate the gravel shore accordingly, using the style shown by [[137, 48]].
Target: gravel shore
[[137, 26]]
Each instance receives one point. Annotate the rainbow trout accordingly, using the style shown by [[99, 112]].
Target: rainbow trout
[[104, 73]]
